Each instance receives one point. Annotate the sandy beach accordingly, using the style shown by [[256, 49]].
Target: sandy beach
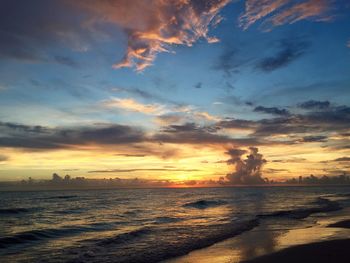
[[318, 239], [322, 252]]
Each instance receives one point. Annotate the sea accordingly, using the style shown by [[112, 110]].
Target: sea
[[149, 225]]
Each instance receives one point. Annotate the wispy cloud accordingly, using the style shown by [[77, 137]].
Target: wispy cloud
[[271, 110], [144, 170], [134, 106], [314, 104], [154, 26], [280, 12], [258, 9], [289, 51]]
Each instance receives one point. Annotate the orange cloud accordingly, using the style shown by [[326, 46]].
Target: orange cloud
[[284, 12], [132, 105], [153, 26], [257, 9]]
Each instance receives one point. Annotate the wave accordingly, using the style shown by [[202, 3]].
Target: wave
[[125, 237], [166, 219], [203, 204], [324, 205], [61, 197], [45, 234], [167, 243], [12, 211]]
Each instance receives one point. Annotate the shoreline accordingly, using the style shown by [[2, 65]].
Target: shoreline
[[321, 252], [320, 238]]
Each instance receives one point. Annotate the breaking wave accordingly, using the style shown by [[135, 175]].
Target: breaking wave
[[12, 211], [203, 204], [323, 205]]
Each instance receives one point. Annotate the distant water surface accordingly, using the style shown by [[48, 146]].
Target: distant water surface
[[147, 225]]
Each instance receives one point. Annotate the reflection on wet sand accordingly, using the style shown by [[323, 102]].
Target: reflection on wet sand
[[270, 237]]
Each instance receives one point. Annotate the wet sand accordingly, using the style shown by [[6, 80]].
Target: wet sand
[[318, 239], [341, 224], [322, 252]]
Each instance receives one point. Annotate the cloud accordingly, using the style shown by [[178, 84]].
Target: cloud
[[144, 170], [280, 12], [229, 123], [29, 29], [289, 52], [154, 26], [258, 9], [313, 104], [191, 133], [171, 118], [227, 61], [348, 44], [142, 93], [67, 61], [290, 160], [332, 119], [281, 130], [294, 128], [134, 106], [247, 171], [313, 138], [198, 85], [310, 9], [44, 138], [342, 159], [130, 155], [2, 87], [271, 110], [3, 158]]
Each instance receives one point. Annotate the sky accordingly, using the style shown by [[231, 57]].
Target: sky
[[180, 90]]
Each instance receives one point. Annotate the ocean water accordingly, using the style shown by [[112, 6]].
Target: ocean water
[[148, 225]]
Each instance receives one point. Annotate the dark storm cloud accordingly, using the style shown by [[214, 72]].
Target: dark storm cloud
[[314, 104], [271, 110], [289, 52], [247, 171]]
